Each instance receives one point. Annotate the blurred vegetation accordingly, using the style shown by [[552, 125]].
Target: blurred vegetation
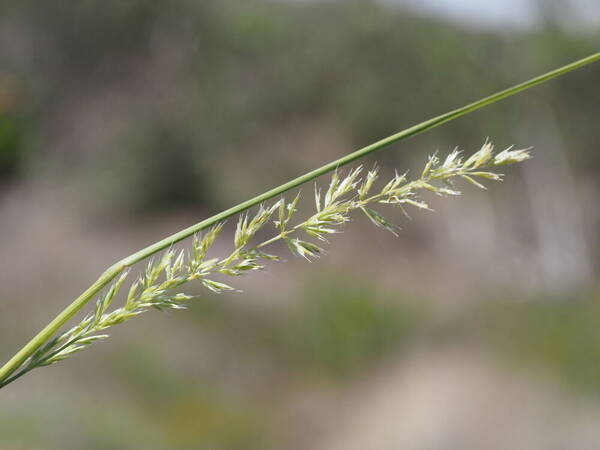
[[344, 329], [559, 335], [178, 92], [13, 130]]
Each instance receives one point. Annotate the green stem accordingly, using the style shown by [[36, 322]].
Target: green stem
[[17, 360], [275, 238], [15, 377]]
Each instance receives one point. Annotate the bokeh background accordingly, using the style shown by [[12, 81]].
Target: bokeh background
[[123, 121]]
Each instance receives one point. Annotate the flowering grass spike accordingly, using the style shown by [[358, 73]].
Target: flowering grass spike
[[159, 285]]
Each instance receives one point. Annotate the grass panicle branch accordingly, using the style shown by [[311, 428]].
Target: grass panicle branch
[[159, 285], [46, 335]]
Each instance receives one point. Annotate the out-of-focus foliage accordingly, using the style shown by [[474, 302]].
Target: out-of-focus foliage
[[12, 129], [345, 329], [163, 95], [559, 334]]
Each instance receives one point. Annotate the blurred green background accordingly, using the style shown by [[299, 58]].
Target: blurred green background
[[125, 120]]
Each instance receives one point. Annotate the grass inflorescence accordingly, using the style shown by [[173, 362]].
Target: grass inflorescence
[[159, 285]]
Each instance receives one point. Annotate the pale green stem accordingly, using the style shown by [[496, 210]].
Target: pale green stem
[[15, 362], [275, 238], [279, 236]]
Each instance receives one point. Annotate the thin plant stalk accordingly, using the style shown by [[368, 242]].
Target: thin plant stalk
[[112, 272]]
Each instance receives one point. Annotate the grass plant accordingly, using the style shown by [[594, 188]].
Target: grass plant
[[159, 286]]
